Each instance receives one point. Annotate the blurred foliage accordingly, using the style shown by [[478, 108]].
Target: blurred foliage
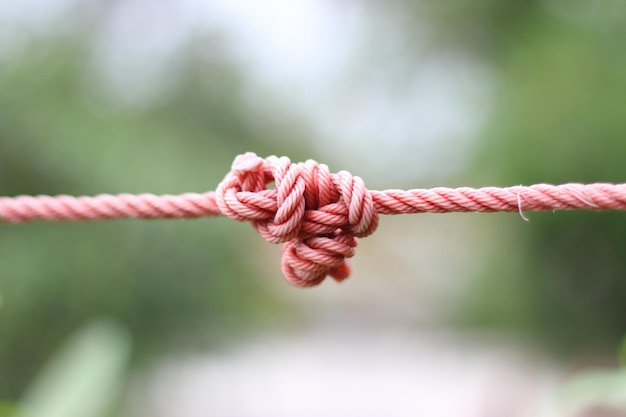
[[492, 29], [559, 116], [172, 284], [7, 409], [476, 26]]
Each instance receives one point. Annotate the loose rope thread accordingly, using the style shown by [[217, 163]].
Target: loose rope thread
[[316, 214]]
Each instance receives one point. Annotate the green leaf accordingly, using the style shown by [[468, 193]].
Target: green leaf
[[7, 408], [84, 379]]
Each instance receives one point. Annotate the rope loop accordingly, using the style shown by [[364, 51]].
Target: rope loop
[[316, 214]]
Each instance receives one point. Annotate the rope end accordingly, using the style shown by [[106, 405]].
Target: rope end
[[341, 272]]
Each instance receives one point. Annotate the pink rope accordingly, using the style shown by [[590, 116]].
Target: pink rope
[[316, 214]]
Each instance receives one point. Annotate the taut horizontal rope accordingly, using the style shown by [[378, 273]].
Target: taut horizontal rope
[[317, 214], [538, 197]]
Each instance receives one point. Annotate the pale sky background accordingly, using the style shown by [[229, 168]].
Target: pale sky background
[[316, 59]]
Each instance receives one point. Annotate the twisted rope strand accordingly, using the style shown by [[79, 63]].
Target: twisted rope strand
[[316, 214], [263, 206], [24, 208]]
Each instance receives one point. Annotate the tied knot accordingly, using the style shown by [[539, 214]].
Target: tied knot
[[316, 214]]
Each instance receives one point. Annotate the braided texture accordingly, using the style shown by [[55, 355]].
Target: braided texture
[[316, 214]]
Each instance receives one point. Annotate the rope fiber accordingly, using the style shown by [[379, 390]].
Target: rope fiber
[[316, 214]]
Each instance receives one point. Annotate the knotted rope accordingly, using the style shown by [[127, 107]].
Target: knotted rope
[[316, 214]]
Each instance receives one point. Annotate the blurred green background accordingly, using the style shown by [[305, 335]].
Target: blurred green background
[[553, 109]]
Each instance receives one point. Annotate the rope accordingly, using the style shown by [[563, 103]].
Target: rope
[[316, 214]]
